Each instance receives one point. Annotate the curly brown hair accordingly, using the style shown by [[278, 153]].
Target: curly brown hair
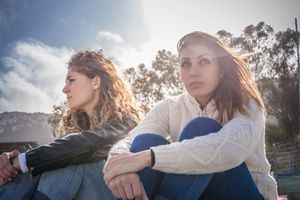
[[237, 86], [116, 99]]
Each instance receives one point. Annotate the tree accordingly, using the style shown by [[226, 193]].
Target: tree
[[283, 95], [273, 61], [255, 42], [55, 118], [156, 83]]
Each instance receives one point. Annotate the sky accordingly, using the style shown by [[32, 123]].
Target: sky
[[37, 37]]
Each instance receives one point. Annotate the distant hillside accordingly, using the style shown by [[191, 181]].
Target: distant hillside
[[24, 127]]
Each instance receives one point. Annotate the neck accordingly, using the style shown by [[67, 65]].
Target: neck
[[91, 116], [89, 109], [89, 113], [203, 102]]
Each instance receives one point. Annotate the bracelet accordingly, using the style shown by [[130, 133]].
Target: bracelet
[[152, 158]]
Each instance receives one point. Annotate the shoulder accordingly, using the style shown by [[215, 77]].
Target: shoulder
[[172, 102], [254, 109], [119, 123], [178, 99], [254, 112]]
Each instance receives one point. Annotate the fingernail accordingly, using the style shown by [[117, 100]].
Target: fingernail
[[9, 179]]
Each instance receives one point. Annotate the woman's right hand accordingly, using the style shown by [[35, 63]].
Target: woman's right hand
[[128, 186], [7, 171]]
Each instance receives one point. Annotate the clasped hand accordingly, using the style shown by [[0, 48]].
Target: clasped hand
[[120, 174], [7, 171]]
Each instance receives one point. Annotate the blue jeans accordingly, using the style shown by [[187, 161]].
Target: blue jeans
[[83, 181], [233, 184]]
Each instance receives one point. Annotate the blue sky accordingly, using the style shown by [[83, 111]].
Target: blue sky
[[37, 37]]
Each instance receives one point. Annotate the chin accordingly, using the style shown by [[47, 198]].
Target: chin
[[72, 107], [199, 95], [196, 94]]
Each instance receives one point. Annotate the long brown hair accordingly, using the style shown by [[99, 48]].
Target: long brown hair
[[236, 87], [116, 99]]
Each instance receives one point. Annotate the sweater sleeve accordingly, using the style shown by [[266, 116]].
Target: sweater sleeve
[[156, 122], [215, 152]]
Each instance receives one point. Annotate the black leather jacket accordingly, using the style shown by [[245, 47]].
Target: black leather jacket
[[77, 148]]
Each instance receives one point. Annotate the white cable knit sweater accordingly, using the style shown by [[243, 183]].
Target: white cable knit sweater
[[241, 139]]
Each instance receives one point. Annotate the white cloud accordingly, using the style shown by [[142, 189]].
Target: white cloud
[[125, 55], [106, 35], [129, 56], [35, 77]]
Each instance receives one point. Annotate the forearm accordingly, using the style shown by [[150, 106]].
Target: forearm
[[145, 158], [77, 148], [123, 163], [73, 149]]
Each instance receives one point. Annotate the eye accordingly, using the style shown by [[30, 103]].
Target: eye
[[185, 64], [69, 80], [204, 61]]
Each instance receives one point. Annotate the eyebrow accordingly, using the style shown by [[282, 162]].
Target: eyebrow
[[200, 56], [68, 77]]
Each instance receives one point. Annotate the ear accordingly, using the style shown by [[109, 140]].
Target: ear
[[96, 82]]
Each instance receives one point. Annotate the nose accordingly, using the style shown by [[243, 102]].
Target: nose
[[65, 89], [194, 70]]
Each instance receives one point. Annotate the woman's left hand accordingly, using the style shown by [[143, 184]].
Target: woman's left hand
[[122, 163]]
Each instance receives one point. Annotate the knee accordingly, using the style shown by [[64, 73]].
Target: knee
[[147, 140], [198, 127]]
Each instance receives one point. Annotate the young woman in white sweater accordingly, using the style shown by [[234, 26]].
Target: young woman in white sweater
[[207, 143]]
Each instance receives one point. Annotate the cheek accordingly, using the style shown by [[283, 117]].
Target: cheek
[[87, 93], [83, 98], [183, 77], [82, 86], [213, 77], [82, 91], [215, 83]]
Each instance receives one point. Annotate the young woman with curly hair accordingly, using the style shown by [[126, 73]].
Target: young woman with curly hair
[[101, 111]]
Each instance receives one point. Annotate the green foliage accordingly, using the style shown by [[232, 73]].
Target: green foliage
[[273, 61], [155, 83], [55, 118]]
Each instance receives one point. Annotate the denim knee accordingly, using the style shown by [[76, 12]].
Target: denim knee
[[147, 140], [198, 127], [235, 184]]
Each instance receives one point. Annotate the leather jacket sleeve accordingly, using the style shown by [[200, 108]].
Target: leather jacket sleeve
[[77, 148]]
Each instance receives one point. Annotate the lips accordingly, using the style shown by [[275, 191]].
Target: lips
[[195, 84]]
